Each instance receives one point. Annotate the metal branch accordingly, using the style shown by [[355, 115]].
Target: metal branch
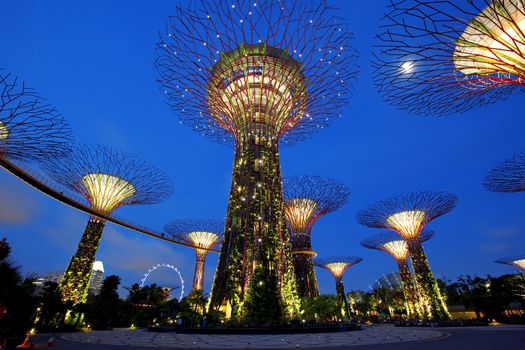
[[407, 214], [441, 57], [107, 178], [306, 198], [212, 45], [509, 176], [30, 128]]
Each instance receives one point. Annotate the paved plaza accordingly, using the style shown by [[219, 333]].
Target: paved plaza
[[370, 338], [369, 335]]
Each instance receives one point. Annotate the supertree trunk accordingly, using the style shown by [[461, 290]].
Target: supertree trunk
[[75, 283], [413, 301], [256, 241], [343, 302], [304, 267], [426, 283], [198, 275]]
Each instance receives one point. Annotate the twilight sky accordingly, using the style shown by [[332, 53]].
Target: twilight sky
[[93, 60]]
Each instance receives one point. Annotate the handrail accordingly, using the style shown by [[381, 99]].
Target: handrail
[[39, 184]]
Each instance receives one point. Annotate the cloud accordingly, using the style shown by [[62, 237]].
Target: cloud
[[490, 248], [503, 232], [16, 206]]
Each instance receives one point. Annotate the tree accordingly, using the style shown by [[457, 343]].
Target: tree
[[106, 306], [52, 309], [17, 304]]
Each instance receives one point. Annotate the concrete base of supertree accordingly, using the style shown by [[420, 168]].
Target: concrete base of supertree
[[75, 283]]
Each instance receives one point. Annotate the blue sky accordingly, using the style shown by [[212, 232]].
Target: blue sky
[[94, 61]]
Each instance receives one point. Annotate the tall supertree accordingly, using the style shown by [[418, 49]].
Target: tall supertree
[[407, 215], [256, 73], [440, 57], [30, 128], [337, 266], [390, 243], [203, 234], [509, 176], [516, 261], [306, 199], [107, 179]]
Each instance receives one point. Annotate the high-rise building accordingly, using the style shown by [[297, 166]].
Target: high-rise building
[[97, 276]]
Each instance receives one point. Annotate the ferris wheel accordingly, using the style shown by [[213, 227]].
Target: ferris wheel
[[169, 266]]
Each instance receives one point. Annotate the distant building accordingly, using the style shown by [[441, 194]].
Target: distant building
[[391, 281], [55, 277], [97, 276]]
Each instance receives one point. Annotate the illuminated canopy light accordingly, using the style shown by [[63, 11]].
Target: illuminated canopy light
[[337, 265], [257, 89], [407, 223], [106, 192], [299, 212], [398, 249], [203, 239], [337, 268], [390, 243], [520, 263], [493, 44], [4, 132]]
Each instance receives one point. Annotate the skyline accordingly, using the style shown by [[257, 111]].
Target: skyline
[[366, 151]]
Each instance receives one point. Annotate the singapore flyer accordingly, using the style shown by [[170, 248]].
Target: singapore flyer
[[169, 266]]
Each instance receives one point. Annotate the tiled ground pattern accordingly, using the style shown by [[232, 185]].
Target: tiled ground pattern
[[369, 335]]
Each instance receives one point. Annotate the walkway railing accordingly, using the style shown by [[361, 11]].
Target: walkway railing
[[37, 181]]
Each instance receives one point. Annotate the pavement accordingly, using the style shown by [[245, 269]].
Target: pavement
[[370, 338]]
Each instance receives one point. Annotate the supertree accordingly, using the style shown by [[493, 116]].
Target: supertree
[[509, 176], [107, 179], [516, 261], [203, 234], [440, 57], [390, 243], [255, 73], [407, 215], [337, 266], [306, 199], [30, 129]]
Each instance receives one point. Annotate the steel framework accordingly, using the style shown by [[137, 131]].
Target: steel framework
[[107, 179], [440, 57], [390, 243], [255, 73], [30, 128], [202, 233], [337, 266], [509, 176], [407, 215], [306, 199]]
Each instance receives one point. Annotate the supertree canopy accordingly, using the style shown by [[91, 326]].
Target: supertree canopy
[[306, 199], [445, 56], [407, 215], [509, 176], [390, 243], [337, 266], [517, 261], [203, 234], [107, 179], [256, 72], [30, 129]]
